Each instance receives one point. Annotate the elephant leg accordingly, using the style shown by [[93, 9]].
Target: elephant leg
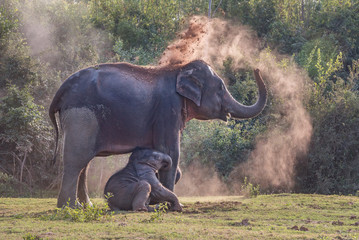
[[178, 175], [80, 131], [82, 190], [74, 166], [67, 195], [141, 197], [168, 178], [162, 193]]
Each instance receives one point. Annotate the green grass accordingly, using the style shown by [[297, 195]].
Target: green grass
[[281, 216]]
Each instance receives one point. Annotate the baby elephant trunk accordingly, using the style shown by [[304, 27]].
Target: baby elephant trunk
[[166, 163]]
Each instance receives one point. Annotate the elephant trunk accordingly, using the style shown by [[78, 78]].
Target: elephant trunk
[[166, 163], [241, 111]]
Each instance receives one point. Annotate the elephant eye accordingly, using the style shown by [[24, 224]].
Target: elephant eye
[[221, 90], [221, 87]]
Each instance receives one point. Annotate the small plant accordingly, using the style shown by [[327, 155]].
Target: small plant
[[158, 214], [249, 189], [108, 195], [86, 214], [30, 236]]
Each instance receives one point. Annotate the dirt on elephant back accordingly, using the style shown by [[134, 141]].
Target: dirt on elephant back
[[183, 50]]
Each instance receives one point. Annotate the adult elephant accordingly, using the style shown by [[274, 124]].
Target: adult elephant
[[114, 108]]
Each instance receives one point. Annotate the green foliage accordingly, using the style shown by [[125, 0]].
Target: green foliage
[[258, 14], [158, 214], [332, 162], [8, 20], [317, 56], [19, 115], [134, 55], [86, 214], [108, 195], [140, 29], [16, 66], [341, 19], [24, 133], [9, 186], [31, 236], [248, 189], [288, 25]]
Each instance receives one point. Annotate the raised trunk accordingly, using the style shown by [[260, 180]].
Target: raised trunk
[[241, 111]]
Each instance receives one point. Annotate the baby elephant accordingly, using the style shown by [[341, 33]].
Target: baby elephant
[[133, 187]]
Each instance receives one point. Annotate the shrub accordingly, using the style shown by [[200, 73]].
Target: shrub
[[332, 163], [86, 214], [250, 190], [24, 136]]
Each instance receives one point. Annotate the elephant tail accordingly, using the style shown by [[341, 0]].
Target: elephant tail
[[52, 111], [54, 108]]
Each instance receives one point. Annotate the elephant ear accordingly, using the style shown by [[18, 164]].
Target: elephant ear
[[189, 86]]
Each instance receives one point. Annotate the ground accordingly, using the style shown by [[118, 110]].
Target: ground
[[278, 216]]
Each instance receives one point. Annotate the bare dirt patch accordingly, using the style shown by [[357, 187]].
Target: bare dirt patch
[[205, 207]]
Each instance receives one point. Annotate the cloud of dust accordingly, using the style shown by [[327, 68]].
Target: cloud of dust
[[101, 169], [37, 28], [55, 38], [271, 164], [199, 180]]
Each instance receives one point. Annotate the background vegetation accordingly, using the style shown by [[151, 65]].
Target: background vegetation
[[42, 42]]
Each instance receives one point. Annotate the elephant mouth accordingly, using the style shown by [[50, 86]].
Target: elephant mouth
[[225, 116]]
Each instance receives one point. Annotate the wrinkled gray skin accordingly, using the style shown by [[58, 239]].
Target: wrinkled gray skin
[[135, 185], [114, 108]]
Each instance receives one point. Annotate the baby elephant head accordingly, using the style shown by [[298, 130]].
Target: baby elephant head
[[156, 160]]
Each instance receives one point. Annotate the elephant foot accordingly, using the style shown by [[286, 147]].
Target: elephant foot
[[79, 205], [87, 204], [69, 203], [141, 209], [83, 204], [175, 207], [150, 209]]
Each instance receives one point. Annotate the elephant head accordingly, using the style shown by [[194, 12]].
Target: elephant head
[[210, 99], [156, 160]]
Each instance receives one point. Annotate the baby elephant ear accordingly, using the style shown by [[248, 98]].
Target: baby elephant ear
[[189, 87]]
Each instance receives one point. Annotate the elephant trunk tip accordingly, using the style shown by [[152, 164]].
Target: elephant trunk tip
[[167, 164], [239, 111]]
